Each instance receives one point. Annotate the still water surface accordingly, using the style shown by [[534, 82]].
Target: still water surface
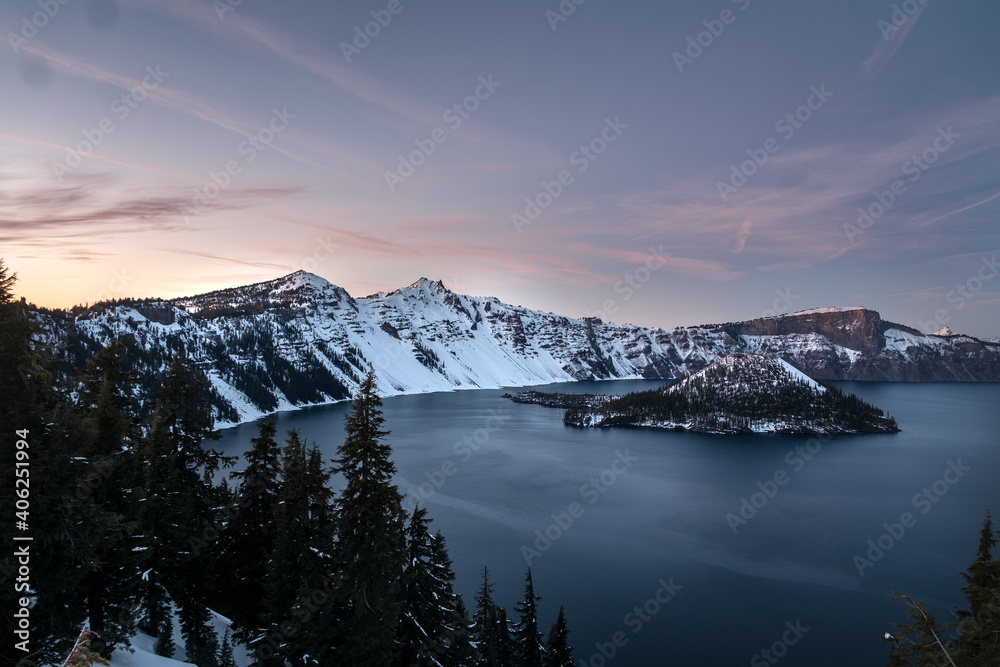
[[493, 473]]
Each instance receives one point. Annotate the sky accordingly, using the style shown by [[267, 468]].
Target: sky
[[655, 163]]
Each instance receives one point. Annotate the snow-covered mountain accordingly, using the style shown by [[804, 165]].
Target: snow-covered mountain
[[300, 340]]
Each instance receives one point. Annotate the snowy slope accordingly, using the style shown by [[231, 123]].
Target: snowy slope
[[143, 654], [300, 340]]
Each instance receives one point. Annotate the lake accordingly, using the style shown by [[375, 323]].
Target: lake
[[646, 538]]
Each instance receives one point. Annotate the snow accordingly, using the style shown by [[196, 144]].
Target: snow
[[755, 367], [144, 655], [799, 376], [901, 342], [822, 311], [478, 342]]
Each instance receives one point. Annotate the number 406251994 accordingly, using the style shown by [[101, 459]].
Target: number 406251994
[[23, 474]]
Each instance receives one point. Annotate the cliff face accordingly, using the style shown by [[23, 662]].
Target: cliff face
[[857, 344], [853, 328], [300, 340]]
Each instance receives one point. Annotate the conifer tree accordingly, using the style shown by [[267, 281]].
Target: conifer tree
[[506, 649], [248, 540], [429, 603], [38, 422], [920, 642], [226, 657], [459, 650], [107, 509], [528, 640], [557, 650], [484, 623], [371, 545], [164, 627], [299, 618], [490, 631], [319, 614], [180, 506], [978, 643]]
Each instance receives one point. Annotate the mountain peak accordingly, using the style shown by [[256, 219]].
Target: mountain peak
[[300, 279], [425, 285], [428, 283], [752, 371]]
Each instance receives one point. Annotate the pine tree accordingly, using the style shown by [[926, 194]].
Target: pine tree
[[530, 648], [491, 633], [429, 603], [164, 628], [506, 649], [226, 657], [979, 625], [180, 508], [484, 623], [920, 642], [299, 618], [557, 650], [458, 649], [112, 584], [248, 540], [371, 545], [41, 429]]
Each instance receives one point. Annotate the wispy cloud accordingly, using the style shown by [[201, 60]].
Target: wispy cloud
[[193, 105], [963, 209], [88, 204], [801, 201], [221, 258], [247, 32], [889, 45]]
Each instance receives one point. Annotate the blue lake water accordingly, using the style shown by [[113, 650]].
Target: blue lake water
[[629, 509]]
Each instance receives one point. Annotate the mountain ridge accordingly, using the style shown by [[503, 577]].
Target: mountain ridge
[[300, 340]]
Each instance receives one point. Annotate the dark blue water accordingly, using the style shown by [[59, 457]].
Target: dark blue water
[[644, 557]]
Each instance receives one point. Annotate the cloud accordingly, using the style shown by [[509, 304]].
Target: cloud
[[800, 202], [207, 255], [887, 47], [197, 107], [963, 209], [357, 242], [744, 234], [245, 31], [89, 204]]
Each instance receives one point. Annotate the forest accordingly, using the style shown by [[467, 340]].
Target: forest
[[132, 523]]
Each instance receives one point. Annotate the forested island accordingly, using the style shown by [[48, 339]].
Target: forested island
[[741, 393]]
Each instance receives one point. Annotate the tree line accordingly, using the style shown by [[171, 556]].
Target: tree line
[[138, 524]]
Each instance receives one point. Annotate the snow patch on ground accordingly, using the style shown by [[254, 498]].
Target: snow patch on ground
[[143, 652]]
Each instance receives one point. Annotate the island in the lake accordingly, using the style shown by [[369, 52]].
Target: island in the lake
[[741, 393]]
